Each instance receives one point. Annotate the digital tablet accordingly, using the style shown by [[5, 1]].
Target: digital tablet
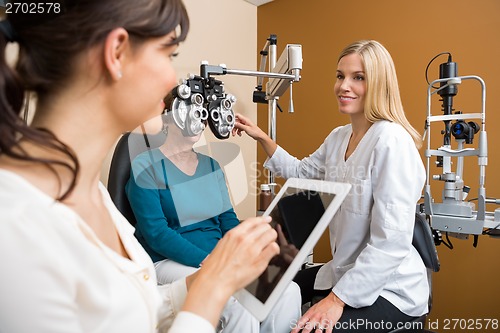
[[301, 211]]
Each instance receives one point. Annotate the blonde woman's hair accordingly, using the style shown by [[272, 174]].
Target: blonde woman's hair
[[383, 101]]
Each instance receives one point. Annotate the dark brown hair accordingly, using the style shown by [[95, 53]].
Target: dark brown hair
[[48, 46]]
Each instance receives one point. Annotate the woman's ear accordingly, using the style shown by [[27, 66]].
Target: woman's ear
[[115, 50]]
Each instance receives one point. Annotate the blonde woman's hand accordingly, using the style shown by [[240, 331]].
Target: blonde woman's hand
[[322, 316], [243, 124]]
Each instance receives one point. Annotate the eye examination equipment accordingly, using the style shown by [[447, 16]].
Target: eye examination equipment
[[454, 215], [198, 100], [201, 99]]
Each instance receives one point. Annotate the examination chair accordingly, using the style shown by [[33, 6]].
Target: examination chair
[[128, 147]]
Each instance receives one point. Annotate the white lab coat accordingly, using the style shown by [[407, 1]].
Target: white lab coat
[[57, 276], [371, 234]]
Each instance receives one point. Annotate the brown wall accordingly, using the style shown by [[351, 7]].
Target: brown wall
[[414, 32]]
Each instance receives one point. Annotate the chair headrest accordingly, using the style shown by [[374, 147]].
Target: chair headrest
[[423, 241]]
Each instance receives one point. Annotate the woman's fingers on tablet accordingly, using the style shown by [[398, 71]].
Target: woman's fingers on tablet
[[281, 236], [260, 241], [244, 252]]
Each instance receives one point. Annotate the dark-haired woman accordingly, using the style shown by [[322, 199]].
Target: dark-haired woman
[[69, 260]]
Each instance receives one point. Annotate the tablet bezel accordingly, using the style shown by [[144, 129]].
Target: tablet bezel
[[340, 190]]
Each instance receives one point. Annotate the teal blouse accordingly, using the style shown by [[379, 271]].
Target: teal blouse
[[179, 217]]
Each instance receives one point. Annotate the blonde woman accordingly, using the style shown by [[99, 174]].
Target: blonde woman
[[376, 278], [70, 261]]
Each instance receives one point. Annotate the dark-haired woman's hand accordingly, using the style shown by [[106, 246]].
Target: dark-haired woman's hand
[[238, 259]]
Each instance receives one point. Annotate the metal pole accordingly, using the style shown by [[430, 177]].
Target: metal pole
[[272, 109]]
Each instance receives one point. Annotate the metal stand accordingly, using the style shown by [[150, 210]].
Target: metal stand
[[453, 214], [282, 73]]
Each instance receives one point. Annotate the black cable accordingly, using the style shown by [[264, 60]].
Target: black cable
[[279, 107], [448, 242], [430, 62], [491, 231]]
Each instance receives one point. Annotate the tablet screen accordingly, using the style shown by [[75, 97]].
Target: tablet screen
[[295, 216]]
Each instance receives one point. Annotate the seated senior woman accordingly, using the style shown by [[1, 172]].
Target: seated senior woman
[[182, 207], [70, 261]]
